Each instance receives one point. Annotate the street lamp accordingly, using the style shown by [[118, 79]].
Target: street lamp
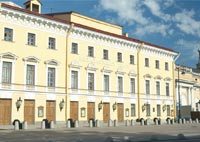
[[179, 95]]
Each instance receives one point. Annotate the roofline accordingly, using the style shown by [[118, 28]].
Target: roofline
[[85, 27], [71, 12]]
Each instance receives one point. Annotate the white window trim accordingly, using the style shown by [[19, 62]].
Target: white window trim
[[149, 86], [79, 79], [56, 76], [104, 92], [13, 72], [91, 71], [135, 86], [120, 94], [25, 73]]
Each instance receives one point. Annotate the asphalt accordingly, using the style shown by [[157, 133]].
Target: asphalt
[[161, 133]]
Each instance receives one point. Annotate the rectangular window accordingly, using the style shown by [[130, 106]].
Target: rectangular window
[[120, 84], [167, 89], [31, 39], [90, 81], [166, 66], [7, 72], [52, 43], [131, 59], [158, 110], [133, 110], [8, 34], [106, 83], [157, 87], [74, 49], [148, 110], [105, 54], [147, 84], [119, 57], [51, 77], [30, 75], [146, 62], [90, 51], [74, 79], [168, 110], [157, 64], [132, 85]]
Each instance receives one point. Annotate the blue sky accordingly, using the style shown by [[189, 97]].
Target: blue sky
[[170, 23]]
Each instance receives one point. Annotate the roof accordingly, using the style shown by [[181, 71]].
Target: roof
[[84, 27]]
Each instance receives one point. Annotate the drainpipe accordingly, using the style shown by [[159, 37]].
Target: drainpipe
[[174, 88], [140, 46], [68, 32]]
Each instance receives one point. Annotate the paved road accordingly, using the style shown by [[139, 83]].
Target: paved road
[[164, 133]]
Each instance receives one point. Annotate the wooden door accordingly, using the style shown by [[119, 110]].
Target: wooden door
[[74, 110], [106, 112], [120, 112], [51, 110], [29, 111], [5, 112], [90, 110]]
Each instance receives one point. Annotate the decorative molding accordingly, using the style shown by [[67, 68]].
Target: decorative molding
[[132, 73], [9, 55], [91, 67], [147, 76], [158, 77], [52, 62], [106, 70], [75, 64], [167, 79], [31, 59]]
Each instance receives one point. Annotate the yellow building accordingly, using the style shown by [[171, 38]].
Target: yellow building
[[87, 65]]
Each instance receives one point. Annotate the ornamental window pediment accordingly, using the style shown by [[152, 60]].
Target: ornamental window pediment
[[158, 77], [75, 64], [132, 73], [52, 62], [91, 67], [31, 59], [106, 69], [9, 55], [147, 76], [167, 79]]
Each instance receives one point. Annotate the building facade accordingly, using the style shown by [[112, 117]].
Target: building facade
[[64, 66]]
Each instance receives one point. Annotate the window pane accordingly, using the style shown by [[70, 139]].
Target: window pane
[[157, 87], [132, 85], [166, 66], [167, 89], [168, 110], [105, 54], [91, 51], [6, 72], [147, 86], [148, 110], [74, 79], [119, 57], [131, 59], [51, 77], [90, 81], [31, 39], [157, 64], [8, 34], [133, 110], [146, 62], [52, 43], [106, 82], [30, 75], [158, 110], [120, 84], [74, 49]]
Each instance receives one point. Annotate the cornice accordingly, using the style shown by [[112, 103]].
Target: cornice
[[36, 20]]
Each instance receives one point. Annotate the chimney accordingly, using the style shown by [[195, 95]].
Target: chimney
[[126, 34], [33, 5]]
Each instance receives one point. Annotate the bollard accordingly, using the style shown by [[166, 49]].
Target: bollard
[[168, 121], [190, 120], [110, 123], [197, 120], [132, 122], [90, 123], [127, 123], [97, 123], [52, 125], [156, 121], [68, 124], [183, 120], [76, 124], [25, 125], [147, 122], [142, 122], [180, 121], [16, 127], [172, 121], [115, 123], [43, 125]]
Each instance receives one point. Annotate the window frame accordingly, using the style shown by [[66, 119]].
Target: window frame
[[74, 47], [158, 110], [119, 57], [88, 81], [10, 72], [75, 84], [105, 54], [147, 92], [34, 76], [90, 51], [132, 59], [31, 40], [167, 87], [48, 83], [133, 110], [157, 64], [166, 66], [8, 36], [146, 62], [52, 45], [106, 89], [158, 88]]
